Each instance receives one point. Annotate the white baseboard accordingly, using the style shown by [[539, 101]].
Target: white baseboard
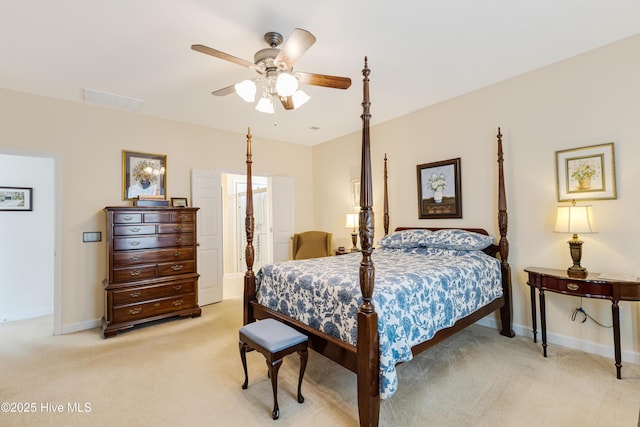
[[81, 326], [6, 317], [566, 341]]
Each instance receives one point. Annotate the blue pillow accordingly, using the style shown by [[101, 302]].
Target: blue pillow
[[458, 239], [405, 239]]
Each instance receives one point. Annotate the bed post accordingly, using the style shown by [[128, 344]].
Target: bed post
[[386, 198], [505, 310], [367, 347], [249, 277]]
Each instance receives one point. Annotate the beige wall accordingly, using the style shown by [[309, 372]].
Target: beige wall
[[586, 100], [90, 141]]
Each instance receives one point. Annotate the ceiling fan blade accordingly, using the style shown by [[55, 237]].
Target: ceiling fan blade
[[213, 52], [323, 80], [224, 91], [296, 45], [287, 102]]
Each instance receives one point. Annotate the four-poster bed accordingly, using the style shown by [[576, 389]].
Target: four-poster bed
[[364, 346]]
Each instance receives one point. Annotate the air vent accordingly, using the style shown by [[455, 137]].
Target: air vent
[[112, 100]]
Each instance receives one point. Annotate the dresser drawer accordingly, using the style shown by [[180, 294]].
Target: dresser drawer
[[126, 217], [142, 294], [153, 308], [575, 287], [133, 230], [183, 217], [171, 268], [157, 217], [175, 228], [131, 274], [150, 242], [122, 259]]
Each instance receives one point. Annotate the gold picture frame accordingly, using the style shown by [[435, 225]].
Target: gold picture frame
[[586, 173], [440, 189], [143, 174], [179, 202]]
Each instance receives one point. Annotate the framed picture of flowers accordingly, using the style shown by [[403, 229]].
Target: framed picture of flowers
[[586, 173], [143, 174], [439, 190]]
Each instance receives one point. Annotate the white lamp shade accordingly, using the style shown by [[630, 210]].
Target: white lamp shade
[[575, 219], [351, 221], [299, 98], [286, 85], [265, 105], [246, 89]]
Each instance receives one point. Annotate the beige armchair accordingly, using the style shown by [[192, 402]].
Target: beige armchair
[[311, 244]]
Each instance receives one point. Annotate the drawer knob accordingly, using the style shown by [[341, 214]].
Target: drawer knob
[[177, 303], [134, 258], [177, 267], [135, 229], [572, 286], [134, 294], [178, 240], [177, 228], [127, 217], [177, 253], [177, 287], [135, 310], [135, 272], [134, 243]]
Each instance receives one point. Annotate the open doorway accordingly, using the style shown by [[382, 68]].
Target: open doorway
[[234, 235]]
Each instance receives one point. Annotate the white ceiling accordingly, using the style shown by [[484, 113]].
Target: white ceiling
[[420, 52]]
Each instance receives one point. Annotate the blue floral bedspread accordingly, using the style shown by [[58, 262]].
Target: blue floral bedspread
[[418, 291]]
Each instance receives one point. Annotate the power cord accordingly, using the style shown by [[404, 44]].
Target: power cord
[[586, 316]]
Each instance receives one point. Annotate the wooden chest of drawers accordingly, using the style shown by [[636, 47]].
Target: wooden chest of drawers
[[152, 271]]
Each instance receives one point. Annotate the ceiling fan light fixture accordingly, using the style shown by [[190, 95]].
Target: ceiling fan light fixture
[[299, 98], [246, 90], [286, 85], [265, 105]]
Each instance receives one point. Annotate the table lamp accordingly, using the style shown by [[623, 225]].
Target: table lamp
[[575, 219], [352, 222]]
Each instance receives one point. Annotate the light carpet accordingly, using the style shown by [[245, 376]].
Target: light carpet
[[188, 372]]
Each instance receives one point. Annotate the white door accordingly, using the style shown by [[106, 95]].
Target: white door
[[206, 194], [283, 216]]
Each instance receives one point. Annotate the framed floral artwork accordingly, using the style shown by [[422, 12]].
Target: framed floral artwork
[[586, 173], [439, 190], [144, 174]]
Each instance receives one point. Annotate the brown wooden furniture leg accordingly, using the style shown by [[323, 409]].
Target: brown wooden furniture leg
[[543, 323], [615, 311], [534, 316]]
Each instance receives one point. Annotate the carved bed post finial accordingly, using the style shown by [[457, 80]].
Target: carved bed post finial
[[386, 198], [368, 349], [249, 277], [505, 310]]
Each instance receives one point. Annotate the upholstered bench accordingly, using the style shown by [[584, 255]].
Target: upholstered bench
[[274, 340]]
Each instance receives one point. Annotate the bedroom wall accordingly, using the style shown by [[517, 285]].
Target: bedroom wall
[[585, 100], [89, 141]]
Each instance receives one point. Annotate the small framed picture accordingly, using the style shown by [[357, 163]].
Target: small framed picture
[[143, 174], [179, 202], [586, 173], [439, 189], [16, 199]]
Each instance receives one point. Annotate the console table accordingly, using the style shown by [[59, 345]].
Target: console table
[[592, 286]]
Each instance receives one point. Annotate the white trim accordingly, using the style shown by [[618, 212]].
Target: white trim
[[566, 341], [26, 315], [81, 326]]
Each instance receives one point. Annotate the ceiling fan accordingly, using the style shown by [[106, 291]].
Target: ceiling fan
[[276, 74]]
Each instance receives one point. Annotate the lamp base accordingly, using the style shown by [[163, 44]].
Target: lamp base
[[577, 272], [354, 240]]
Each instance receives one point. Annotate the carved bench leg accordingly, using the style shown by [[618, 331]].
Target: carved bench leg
[[304, 355], [274, 367], [243, 356]]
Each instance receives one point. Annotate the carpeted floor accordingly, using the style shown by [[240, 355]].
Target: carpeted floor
[[188, 372]]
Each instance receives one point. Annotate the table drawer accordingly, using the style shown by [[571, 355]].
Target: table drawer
[[131, 274], [157, 217], [152, 256], [171, 268], [576, 287], [146, 293], [183, 217], [153, 308]]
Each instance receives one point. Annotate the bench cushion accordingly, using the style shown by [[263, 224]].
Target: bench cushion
[[272, 335]]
